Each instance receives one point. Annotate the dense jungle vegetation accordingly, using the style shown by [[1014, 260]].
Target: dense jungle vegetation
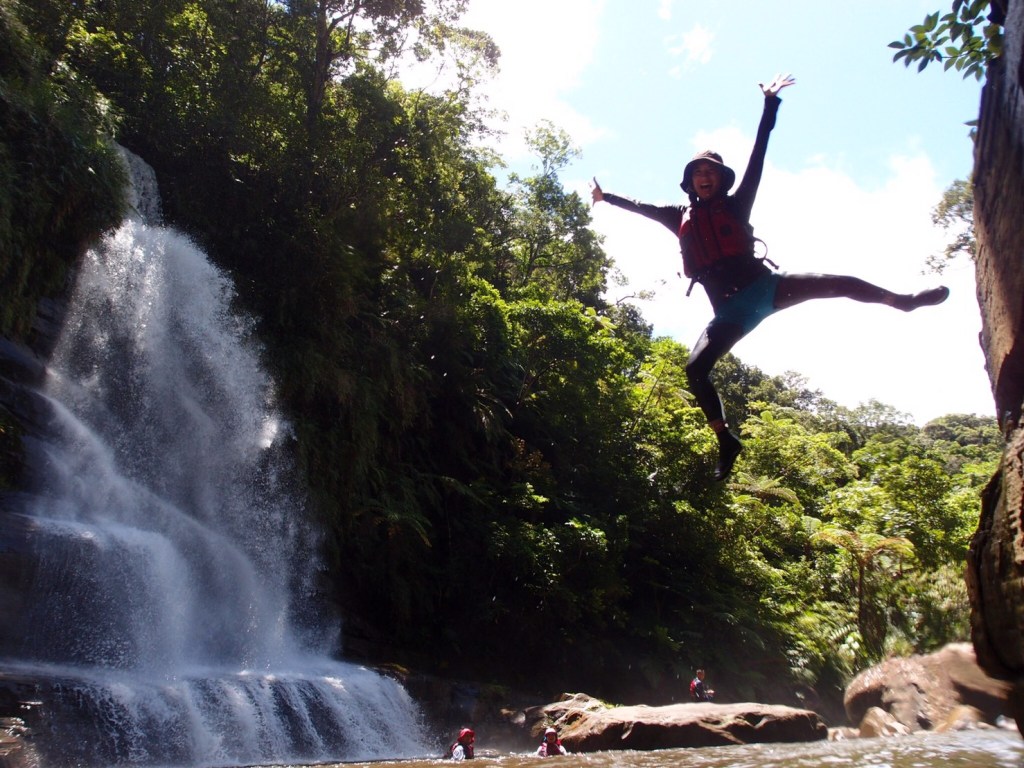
[[514, 482]]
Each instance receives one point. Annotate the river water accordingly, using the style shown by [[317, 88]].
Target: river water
[[965, 749]]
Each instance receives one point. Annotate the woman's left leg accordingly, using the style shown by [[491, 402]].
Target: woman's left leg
[[796, 289]]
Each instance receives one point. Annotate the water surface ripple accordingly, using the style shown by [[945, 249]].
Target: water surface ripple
[[966, 749]]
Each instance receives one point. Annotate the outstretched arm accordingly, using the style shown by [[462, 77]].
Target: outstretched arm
[[669, 215], [747, 190]]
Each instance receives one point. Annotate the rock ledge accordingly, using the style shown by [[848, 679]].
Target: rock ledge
[[587, 725]]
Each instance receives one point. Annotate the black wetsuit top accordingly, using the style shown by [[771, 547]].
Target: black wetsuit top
[[728, 274]]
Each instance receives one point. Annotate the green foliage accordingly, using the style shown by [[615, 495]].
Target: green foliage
[[808, 463], [954, 38], [555, 252], [930, 608], [955, 214], [872, 558], [62, 179]]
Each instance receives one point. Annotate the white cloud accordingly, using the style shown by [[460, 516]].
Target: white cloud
[[693, 46], [545, 47]]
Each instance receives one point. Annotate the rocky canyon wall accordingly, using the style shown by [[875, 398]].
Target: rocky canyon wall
[[995, 568]]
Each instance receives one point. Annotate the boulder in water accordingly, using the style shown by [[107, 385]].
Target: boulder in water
[[922, 691]]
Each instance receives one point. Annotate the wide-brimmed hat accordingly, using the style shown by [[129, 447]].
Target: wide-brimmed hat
[[728, 174]]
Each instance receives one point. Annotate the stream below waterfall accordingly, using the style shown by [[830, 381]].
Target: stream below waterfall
[[966, 749]]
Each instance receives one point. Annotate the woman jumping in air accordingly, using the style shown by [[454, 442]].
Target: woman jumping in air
[[717, 243]]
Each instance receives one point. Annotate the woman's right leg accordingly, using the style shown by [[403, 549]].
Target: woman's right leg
[[716, 340]]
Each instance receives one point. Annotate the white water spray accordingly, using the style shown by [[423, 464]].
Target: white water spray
[[173, 606]]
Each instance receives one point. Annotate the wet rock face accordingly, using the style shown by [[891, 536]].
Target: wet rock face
[[995, 569], [921, 692], [877, 723], [23, 413]]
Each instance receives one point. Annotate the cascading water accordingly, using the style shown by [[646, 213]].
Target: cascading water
[[172, 596]]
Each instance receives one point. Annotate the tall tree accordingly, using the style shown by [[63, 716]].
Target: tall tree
[[334, 35], [867, 553], [554, 251]]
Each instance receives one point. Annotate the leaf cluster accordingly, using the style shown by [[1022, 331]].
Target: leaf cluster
[[967, 38]]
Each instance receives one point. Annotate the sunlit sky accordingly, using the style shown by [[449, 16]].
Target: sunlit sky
[[861, 154]]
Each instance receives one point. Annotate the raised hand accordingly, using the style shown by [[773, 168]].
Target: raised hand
[[596, 194], [776, 85]]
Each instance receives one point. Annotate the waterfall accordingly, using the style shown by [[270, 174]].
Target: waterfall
[[173, 595]]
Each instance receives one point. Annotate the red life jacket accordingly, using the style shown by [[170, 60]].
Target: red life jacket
[[466, 738], [555, 750], [710, 233], [467, 750]]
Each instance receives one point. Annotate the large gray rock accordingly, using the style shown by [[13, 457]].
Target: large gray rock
[[921, 691], [586, 725], [995, 567]]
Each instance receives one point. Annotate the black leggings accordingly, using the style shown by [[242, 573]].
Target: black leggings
[[718, 338]]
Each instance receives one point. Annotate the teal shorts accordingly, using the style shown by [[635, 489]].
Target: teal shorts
[[751, 305]]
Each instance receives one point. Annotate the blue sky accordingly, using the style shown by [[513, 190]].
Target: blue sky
[[861, 153]]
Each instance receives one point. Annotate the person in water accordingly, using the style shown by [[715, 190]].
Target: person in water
[[551, 746], [462, 748], [717, 244]]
